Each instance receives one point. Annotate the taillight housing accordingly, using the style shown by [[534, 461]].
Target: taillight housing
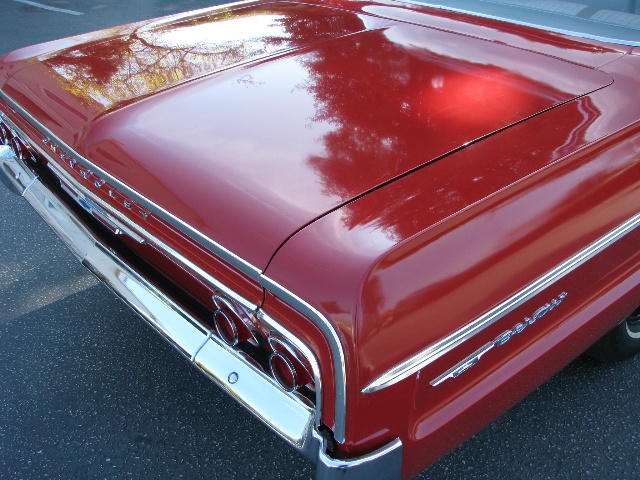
[[287, 365], [5, 134], [283, 371], [231, 321], [240, 329], [19, 148]]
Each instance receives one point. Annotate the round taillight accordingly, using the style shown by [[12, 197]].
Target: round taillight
[[226, 328], [5, 134], [228, 322], [20, 150], [284, 349], [283, 371]]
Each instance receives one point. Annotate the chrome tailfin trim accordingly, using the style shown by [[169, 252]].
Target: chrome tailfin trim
[[440, 348], [336, 350]]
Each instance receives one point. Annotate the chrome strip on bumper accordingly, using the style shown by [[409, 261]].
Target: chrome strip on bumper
[[283, 412], [241, 264]]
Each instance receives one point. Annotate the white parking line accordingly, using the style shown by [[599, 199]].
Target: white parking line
[[47, 7]]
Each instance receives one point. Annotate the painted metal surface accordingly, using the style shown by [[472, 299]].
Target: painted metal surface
[[428, 93], [256, 391], [391, 202], [516, 206], [282, 411]]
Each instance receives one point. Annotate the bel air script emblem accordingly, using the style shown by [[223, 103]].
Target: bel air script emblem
[[500, 340]]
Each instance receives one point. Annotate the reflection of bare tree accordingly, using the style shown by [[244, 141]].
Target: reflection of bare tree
[[394, 107], [369, 138], [147, 61], [367, 128], [160, 56]]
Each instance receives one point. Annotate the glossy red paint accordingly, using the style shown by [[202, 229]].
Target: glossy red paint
[[586, 52], [425, 269], [401, 169], [428, 93]]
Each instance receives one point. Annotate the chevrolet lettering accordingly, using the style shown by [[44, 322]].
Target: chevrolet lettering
[[502, 339]]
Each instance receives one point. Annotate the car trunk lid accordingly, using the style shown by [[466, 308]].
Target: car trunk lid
[[250, 151]]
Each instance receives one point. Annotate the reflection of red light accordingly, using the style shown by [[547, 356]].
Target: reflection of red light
[[482, 98]]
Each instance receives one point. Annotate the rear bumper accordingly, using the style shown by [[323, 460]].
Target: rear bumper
[[283, 412]]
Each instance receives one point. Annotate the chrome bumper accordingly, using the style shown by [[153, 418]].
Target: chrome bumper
[[283, 412]]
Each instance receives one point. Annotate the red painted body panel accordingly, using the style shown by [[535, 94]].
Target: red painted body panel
[[435, 269], [401, 169], [314, 145], [586, 52]]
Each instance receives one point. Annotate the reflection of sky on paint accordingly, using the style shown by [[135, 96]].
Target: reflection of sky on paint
[[483, 53], [159, 56], [244, 156], [248, 32], [621, 26], [148, 61]]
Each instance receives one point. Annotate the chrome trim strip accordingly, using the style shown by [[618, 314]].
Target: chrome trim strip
[[188, 230], [336, 349], [252, 272], [382, 464], [315, 366], [283, 412], [561, 31], [444, 346], [461, 367], [502, 339], [76, 190]]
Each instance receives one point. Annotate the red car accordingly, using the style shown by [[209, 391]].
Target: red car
[[377, 225]]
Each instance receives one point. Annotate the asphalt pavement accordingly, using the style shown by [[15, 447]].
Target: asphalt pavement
[[87, 390]]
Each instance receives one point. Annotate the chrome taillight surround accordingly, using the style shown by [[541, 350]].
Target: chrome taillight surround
[[19, 145], [241, 329], [283, 371], [231, 322]]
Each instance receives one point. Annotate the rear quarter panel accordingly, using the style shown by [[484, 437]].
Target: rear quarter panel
[[456, 238]]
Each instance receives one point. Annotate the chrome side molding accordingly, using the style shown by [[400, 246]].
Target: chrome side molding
[[431, 353], [500, 340]]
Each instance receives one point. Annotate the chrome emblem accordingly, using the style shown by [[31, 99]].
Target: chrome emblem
[[96, 181], [500, 340]]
